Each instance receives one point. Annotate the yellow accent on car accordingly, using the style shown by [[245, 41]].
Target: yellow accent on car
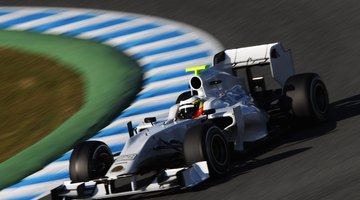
[[196, 69], [117, 168]]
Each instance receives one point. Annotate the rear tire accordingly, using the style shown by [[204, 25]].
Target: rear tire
[[90, 160], [309, 97], [208, 145]]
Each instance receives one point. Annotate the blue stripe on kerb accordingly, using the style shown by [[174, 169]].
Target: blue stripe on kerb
[[171, 61], [5, 12], [163, 91], [165, 76], [62, 22], [98, 26], [167, 49], [143, 110], [64, 157], [111, 131], [150, 39], [42, 179], [117, 147], [26, 197], [126, 31], [24, 19]]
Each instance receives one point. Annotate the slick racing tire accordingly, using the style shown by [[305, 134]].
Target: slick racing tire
[[309, 97], [90, 160], [208, 145]]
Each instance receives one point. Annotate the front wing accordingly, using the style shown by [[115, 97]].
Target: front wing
[[131, 185]]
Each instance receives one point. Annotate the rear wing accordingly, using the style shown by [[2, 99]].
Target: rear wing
[[280, 61]]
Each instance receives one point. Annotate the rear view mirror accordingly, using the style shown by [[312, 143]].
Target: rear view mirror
[[150, 120]]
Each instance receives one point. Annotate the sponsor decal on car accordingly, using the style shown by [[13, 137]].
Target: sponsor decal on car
[[127, 157]]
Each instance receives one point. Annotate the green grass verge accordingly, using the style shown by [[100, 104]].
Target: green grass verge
[[111, 80], [35, 99]]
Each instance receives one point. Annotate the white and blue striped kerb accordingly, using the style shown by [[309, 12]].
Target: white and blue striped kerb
[[161, 47]]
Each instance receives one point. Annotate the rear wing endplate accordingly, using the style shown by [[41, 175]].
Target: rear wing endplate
[[280, 61]]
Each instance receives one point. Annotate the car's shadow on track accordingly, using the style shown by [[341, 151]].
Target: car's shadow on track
[[339, 110], [245, 163]]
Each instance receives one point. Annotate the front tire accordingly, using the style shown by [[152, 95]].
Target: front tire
[[209, 145], [309, 97], [90, 160]]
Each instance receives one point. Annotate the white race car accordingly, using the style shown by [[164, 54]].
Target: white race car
[[222, 112]]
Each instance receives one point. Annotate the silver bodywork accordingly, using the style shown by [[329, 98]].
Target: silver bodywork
[[155, 144]]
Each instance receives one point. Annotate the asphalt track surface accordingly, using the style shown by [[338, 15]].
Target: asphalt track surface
[[314, 163]]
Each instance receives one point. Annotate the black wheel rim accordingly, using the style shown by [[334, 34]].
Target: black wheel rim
[[101, 161], [218, 152], [321, 99]]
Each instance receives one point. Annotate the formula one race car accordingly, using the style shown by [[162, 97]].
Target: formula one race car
[[222, 112]]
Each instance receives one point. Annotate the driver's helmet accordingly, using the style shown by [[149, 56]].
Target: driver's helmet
[[190, 108]]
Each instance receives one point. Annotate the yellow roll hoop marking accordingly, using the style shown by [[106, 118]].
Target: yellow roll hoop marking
[[197, 69]]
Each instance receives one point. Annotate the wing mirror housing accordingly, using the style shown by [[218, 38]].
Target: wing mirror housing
[[150, 120]]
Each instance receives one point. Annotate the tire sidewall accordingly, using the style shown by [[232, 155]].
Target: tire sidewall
[[99, 158], [317, 84], [85, 158], [304, 91], [197, 147], [215, 145]]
